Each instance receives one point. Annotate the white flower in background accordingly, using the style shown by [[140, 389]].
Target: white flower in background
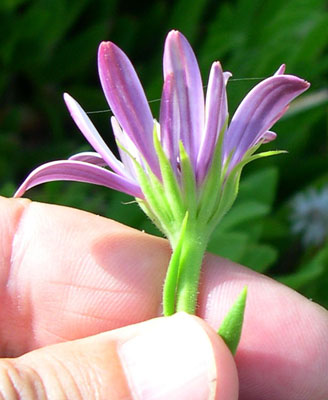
[[309, 216]]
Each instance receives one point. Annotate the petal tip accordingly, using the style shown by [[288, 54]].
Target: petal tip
[[69, 101], [281, 70], [303, 84], [104, 44], [67, 97], [174, 37], [105, 49], [217, 65], [307, 84], [174, 32]]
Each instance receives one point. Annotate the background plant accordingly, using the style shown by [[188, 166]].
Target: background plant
[[48, 47]]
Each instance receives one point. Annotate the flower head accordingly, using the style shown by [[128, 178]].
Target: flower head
[[184, 171], [191, 160]]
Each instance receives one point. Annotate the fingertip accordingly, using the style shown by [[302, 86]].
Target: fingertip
[[179, 357], [227, 375]]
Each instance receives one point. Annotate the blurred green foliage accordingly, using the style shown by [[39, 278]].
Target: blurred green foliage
[[49, 47]]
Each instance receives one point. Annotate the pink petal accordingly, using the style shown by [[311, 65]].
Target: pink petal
[[91, 134], [124, 140], [89, 157], [268, 137], [180, 60], [216, 111], [80, 172], [169, 120], [259, 110], [127, 99]]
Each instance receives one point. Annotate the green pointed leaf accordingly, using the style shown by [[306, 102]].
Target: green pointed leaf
[[231, 326]]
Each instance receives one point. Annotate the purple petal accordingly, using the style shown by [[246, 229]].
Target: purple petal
[[89, 157], [169, 120], [216, 113], [227, 75], [91, 134], [259, 110], [268, 137], [80, 172], [125, 141], [127, 99], [180, 60]]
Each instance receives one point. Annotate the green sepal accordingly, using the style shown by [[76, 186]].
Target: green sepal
[[156, 205], [263, 155], [231, 186], [171, 280], [231, 326], [212, 185], [188, 182], [171, 187], [227, 198], [144, 205]]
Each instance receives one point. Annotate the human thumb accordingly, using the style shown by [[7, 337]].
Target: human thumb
[[176, 358]]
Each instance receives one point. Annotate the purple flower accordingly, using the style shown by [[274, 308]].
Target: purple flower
[[184, 117], [184, 171]]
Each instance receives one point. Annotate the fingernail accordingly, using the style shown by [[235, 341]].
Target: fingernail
[[172, 359]]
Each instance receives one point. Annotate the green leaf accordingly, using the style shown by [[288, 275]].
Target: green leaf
[[307, 272], [259, 257], [243, 212], [260, 186], [231, 326], [231, 245]]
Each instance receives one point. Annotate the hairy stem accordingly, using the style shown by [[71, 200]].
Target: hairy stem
[[190, 262]]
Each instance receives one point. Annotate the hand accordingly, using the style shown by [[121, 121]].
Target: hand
[[68, 274]]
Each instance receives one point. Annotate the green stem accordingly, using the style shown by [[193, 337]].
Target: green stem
[[190, 262], [170, 284], [182, 278]]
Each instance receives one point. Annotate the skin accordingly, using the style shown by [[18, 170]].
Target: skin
[[79, 299]]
